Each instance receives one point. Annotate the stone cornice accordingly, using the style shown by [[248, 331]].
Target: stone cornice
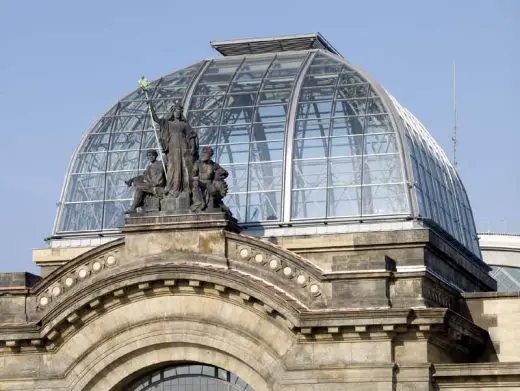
[[477, 369]]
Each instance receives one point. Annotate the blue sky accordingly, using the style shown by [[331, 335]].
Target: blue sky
[[64, 63]]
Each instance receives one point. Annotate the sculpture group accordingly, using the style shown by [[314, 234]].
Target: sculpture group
[[190, 183]]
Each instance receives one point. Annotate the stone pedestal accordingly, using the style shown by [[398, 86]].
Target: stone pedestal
[[180, 204], [167, 220], [151, 203]]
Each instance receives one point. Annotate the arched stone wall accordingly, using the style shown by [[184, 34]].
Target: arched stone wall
[[176, 328], [262, 312]]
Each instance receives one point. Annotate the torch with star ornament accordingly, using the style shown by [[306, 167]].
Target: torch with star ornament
[[144, 85]]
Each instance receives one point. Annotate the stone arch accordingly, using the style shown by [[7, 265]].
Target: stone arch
[[163, 329], [190, 353]]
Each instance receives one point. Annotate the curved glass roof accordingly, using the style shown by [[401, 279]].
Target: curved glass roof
[[305, 136]]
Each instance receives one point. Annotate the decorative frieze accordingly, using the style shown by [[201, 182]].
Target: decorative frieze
[[282, 266], [78, 276]]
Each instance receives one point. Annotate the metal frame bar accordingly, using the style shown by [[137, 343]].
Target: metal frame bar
[[290, 127]]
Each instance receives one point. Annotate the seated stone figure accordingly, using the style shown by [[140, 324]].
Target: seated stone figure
[[209, 186], [149, 187]]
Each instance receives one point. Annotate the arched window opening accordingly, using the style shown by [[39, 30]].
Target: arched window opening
[[190, 377]]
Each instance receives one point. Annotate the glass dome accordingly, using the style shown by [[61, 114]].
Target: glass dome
[[305, 135]]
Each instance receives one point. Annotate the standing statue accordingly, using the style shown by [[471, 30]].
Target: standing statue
[[149, 186], [209, 186], [180, 145]]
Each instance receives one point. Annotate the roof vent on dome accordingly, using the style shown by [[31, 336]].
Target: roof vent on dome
[[273, 44]]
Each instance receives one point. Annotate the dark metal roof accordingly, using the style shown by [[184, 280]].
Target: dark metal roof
[[273, 44]]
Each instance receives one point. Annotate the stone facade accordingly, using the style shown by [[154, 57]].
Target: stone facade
[[365, 311]]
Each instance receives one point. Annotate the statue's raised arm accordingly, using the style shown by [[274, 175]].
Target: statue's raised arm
[[152, 111]]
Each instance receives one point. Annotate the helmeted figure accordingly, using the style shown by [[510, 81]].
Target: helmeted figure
[[148, 185], [180, 145], [209, 186]]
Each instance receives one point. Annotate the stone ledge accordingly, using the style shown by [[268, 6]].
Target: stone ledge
[[477, 369], [490, 295], [17, 281], [153, 221]]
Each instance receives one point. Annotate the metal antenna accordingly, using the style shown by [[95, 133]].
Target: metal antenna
[[454, 135]]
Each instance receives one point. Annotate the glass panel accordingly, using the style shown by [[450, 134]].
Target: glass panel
[[352, 91], [234, 134], [386, 199], [207, 135], [129, 123], [382, 169], [237, 204], [263, 206], [170, 93], [120, 141], [277, 84], [245, 86], [312, 128], [378, 124], [350, 107], [274, 96], [348, 126], [220, 72], [81, 217], [265, 176], [350, 78], [232, 153], [344, 202], [268, 131], [380, 143], [320, 80], [311, 148], [149, 141], [266, 151], [237, 116], [127, 160], [205, 102], [237, 180], [210, 89], [375, 106], [314, 110], [86, 187], [330, 66], [116, 189], [310, 203], [114, 216], [104, 125], [286, 66], [271, 113], [253, 69], [309, 173], [96, 142], [204, 117], [315, 94], [345, 171], [90, 162], [346, 146], [133, 108], [239, 100], [162, 108]]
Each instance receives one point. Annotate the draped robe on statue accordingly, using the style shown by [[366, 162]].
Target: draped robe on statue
[[180, 145]]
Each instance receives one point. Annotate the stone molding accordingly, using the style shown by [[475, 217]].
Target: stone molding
[[482, 376]]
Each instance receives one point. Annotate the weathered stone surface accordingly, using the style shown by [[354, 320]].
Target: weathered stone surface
[[190, 288], [17, 281]]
